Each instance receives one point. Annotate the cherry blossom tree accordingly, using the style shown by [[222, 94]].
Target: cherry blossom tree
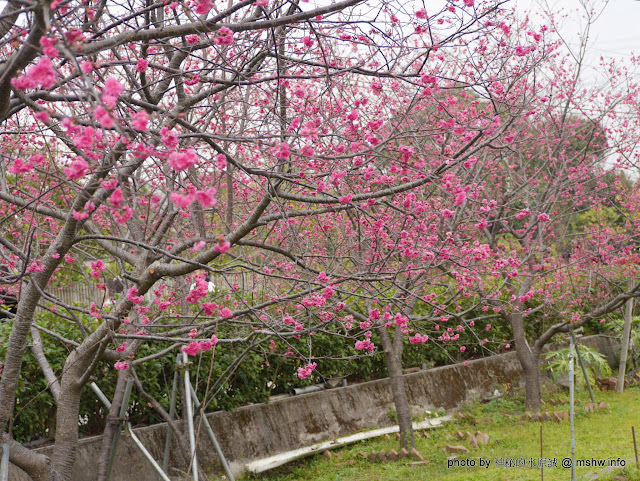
[[158, 143], [559, 234]]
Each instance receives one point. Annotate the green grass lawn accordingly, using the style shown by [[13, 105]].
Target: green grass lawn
[[601, 435]]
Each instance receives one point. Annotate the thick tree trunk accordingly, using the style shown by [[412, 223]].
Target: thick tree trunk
[[29, 297], [532, 378], [15, 351], [396, 380], [67, 427], [76, 370], [529, 360]]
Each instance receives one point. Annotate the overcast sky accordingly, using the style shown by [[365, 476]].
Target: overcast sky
[[616, 32]]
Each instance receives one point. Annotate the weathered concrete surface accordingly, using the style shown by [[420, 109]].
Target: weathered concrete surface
[[262, 430]]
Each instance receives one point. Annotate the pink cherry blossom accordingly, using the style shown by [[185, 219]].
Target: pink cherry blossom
[[282, 151], [132, 295], [122, 215], [305, 372], [47, 47], [207, 197], [221, 161], [328, 292], [142, 65], [112, 88], [42, 116], [104, 117], [79, 215], [116, 197], [198, 292], [192, 349], [224, 37], [183, 160], [19, 166], [183, 201], [169, 138], [141, 121], [222, 246], [109, 184], [460, 198], [97, 267], [121, 366], [203, 7], [209, 308], [42, 74], [85, 138], [198, 246], [365, 345], [77, 169]]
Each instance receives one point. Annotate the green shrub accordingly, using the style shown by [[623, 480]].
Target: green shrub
[[595, 364]]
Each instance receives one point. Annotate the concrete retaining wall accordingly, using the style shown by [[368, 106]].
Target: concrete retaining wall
[[262, 430]]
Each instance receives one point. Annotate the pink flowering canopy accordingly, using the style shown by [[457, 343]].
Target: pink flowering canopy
[[269, 170]]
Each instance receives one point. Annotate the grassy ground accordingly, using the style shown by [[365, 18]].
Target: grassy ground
[[601, 435]]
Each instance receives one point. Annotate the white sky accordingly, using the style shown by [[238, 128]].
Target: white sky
[[616, 33]]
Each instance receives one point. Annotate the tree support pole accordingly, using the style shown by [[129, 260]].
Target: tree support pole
[[584, 369], [123, 411], [100, 394], [212, 436], [4, 465], [145, 453], [571, 391], [189, 406], [628, 319], [172, 413]]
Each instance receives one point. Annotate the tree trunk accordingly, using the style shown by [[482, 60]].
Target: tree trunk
[[398, 389], [15, 351], [529, 360], [64, 453], [532, 378], [76, 371]]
